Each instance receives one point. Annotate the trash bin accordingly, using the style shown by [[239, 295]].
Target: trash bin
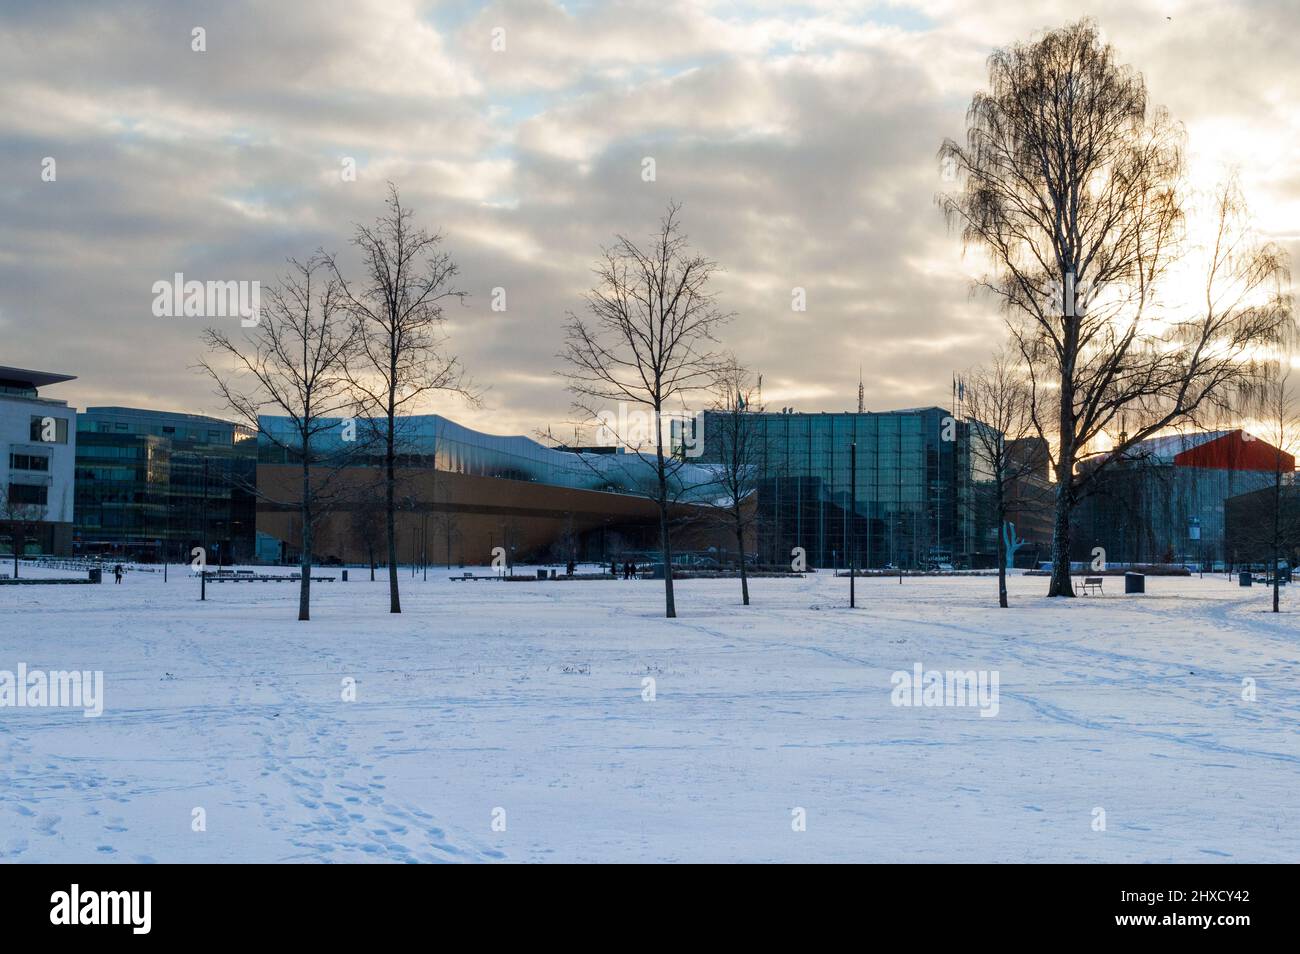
[[541, 574], [1135, 583], [345, 576], [96, 574], [552, 574], [1243, 578]]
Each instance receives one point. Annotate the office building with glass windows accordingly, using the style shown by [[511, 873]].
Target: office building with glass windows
[[463, 495], [152, 485], [1165, 501], [1264, 525], [909, 502], [38, 442]]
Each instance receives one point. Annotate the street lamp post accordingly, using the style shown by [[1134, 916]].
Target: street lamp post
[[853, 513], [203, 564]]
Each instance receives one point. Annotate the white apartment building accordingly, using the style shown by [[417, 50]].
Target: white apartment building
[[38, 449]]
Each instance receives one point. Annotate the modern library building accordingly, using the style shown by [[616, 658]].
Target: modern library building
[[878, 489]]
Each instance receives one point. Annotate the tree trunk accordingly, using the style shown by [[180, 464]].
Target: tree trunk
[[1002, 557], [390, 508], [1277, 539], [1061, 584], [744, 576], [670, 606], [1277, 584], [665, 544], [1000, 507], [304, 561]]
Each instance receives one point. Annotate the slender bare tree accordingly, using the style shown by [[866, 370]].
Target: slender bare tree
[[294, 364], [397, 311], [367, 525], [1274, 527], [998, 401], [19, 517], [646, 344], [735, 435], [1072, 186], [443, 519]]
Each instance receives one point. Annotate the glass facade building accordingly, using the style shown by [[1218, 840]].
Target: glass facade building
[[913, 503], [1165, 502], [463, 494], [151, 485], [433, 441]]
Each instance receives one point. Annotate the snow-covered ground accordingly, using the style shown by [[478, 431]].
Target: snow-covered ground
[[525, 704]]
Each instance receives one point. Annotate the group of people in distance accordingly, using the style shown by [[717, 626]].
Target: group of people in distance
[[629, 570]]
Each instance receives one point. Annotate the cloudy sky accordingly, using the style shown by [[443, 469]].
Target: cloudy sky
[[800, 139]]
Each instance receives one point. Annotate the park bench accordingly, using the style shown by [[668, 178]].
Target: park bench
[[1091, 584]]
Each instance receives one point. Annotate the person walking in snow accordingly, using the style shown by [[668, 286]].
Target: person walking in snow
[[117, 573]]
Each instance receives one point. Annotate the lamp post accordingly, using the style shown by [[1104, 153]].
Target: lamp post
[[853, 513], [203, 564]]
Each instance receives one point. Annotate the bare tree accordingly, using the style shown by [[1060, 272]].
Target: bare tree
[[367, 525], [1275, 527], [295, 365], [999, 404], [444, 520], [735, 435], [397, 311], [19, 516], [1072, 186], [511, 536], [446, 526], [646, 343]]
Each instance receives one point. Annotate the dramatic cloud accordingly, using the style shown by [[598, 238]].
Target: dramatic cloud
[[800, 139]]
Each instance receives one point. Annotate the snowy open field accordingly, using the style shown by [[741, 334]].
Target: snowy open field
[[528, 697]]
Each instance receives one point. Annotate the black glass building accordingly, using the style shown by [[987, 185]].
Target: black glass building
[[1165, 500], [152, 485], [912, 505]]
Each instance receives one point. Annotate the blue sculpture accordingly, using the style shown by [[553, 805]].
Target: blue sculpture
[[1010, 543]]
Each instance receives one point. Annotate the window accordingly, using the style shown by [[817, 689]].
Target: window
[[28, 494], [49, 430], [29, 462]]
